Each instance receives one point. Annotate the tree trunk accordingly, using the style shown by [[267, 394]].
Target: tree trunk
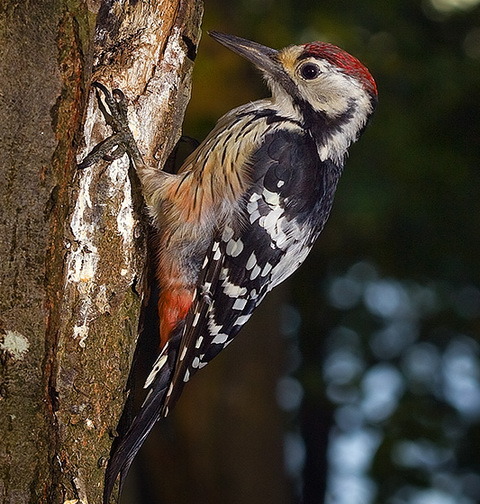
[[71, 241]]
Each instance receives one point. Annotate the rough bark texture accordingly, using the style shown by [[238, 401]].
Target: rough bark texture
[[71, 242]]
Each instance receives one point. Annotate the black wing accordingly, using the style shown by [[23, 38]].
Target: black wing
[[281, 215]]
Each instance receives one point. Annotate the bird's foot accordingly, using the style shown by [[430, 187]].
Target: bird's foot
[[114, 109]]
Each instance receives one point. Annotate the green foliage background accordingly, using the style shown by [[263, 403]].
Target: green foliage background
[[392, 290]]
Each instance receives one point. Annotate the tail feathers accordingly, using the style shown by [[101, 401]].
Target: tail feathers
[[127, 446]]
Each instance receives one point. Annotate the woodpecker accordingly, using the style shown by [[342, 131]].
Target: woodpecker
[[244, 210]]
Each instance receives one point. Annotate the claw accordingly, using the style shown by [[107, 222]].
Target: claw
[[114, 109], [101, 151], [118, 95]]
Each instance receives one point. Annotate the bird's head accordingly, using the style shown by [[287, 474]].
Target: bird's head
[[311, 80]]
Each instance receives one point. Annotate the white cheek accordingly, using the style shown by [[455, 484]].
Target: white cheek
[[330, 93]]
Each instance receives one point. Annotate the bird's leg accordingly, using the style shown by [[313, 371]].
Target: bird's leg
[[114, 109]]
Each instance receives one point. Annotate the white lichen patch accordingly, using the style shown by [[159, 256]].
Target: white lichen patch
[[82, 257], [87, 239], [15, 344], [126, 221], [80, 332], [122, 207]]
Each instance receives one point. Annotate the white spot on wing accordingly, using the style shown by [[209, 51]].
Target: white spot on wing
[[252, 207], [232, 290], [213, 328], [184, 352], [280, 230], [234, 247], [271, 219], [282, 239], [220, 339], [239, 304], [227, 234], [242, 319], [255, 272], [271, 198], [254, 197], [252, 260], [266, 269], [159, 363], [217, 254], [254, 216]]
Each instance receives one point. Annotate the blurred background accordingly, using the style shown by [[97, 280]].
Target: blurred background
[[358, 381]]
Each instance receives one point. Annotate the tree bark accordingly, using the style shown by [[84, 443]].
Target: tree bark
[[71, 242]]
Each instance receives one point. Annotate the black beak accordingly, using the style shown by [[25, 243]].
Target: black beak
[[262, 57]]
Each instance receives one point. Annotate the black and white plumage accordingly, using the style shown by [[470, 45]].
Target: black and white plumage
[[244, 211]]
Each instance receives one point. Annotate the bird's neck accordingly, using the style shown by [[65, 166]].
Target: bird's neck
[[333, 130]]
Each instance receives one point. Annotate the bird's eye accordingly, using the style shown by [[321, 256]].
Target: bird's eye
[[309, 71]]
